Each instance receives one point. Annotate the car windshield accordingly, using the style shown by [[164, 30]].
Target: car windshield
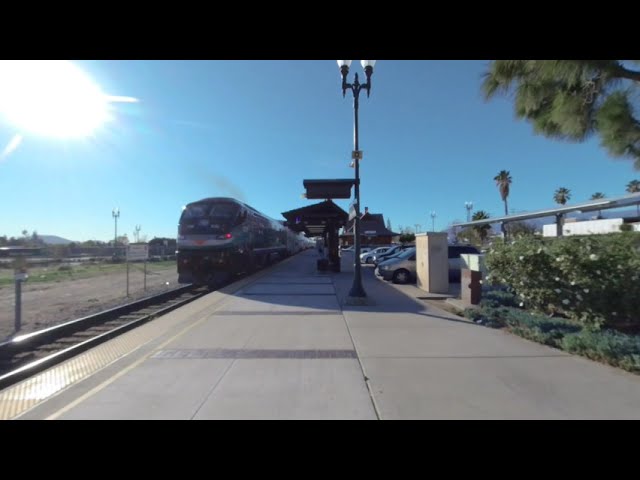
[[455, 252], [406, 253]]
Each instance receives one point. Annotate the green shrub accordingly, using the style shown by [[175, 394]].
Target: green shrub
[[472, 313], [626, 227], [544, 324], [613, 348], [591, 279], [498, 298], [548, 331], [493, 317]]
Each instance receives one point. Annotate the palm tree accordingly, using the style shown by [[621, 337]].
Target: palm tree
[[562, 195], [503, 180], [483, 230], [597, 196], [634, 187]]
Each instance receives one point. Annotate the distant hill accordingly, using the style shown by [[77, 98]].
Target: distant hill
[[54, 240]]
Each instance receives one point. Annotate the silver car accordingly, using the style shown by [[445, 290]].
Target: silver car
[[400, 269], [392, 252], [367, 257]]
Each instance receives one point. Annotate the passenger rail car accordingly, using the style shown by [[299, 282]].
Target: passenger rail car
[[219, 238]]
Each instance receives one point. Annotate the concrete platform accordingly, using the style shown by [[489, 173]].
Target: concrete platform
[[282, 344]]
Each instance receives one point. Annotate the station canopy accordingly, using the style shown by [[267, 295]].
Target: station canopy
[[314, 220]]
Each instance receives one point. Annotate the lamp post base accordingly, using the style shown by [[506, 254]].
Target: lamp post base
[[359, 301]]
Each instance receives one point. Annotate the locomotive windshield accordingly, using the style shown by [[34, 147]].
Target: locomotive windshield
[[209, 218]]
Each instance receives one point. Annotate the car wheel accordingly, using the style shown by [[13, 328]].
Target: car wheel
[[368, 260], [401, 276]]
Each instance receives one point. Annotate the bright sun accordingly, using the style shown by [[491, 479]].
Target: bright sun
[[52, 98]]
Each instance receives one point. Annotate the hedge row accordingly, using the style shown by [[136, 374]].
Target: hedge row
[[613, 348], [593, 280]]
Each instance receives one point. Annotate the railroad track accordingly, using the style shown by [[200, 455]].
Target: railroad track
[[26, 355]]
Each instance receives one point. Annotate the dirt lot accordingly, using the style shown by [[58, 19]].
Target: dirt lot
[[49, 303]]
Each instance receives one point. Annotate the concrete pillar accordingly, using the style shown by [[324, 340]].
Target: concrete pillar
[[432, 262], [559, 224]]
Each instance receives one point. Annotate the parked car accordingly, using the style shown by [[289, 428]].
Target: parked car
[[405, 260], [379, 258], [367, 257], [351, 248], [401, 268], [455, 262], [393, 256]]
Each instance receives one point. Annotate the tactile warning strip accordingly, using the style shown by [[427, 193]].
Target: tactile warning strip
[[25, 395], [203, 353], [289, 294]]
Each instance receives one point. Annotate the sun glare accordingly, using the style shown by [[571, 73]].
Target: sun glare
[[52, 98]]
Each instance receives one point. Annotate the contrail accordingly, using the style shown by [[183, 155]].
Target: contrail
[[11, 146], [120, 99]]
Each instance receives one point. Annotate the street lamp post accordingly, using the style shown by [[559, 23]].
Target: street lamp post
[[469, 207], [356, 289], [115, 213], [433, 221]]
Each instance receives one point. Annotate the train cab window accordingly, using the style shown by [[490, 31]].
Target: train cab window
[[208, 218], [242, 217], [223, 211], [194, 211]]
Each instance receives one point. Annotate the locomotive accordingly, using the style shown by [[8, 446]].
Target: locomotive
[[220, 238]]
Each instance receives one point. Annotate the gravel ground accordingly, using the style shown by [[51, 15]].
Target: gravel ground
[[48, 304]]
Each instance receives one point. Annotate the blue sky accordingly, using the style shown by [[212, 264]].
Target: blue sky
[[255, 129]]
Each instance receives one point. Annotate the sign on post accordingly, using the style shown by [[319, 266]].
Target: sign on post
[[137, 251], [20, 275]]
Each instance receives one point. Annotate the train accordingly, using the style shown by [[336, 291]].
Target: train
[[220, 238]]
